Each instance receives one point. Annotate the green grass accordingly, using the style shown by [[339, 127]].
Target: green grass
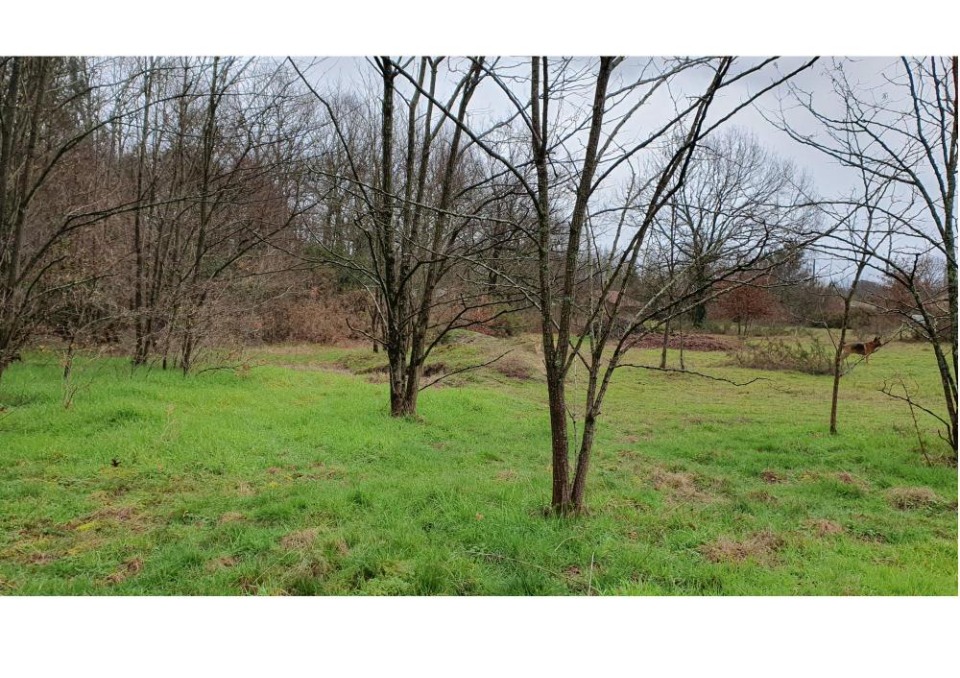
[[291, 478]]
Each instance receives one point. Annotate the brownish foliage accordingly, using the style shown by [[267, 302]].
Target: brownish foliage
[[810, 357], [514, 368], [220, 563], [679, 486], [320, 317]]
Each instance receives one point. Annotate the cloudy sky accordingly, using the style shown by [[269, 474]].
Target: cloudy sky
[[498, 27], [828, 177]]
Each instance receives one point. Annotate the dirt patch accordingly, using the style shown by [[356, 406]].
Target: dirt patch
[[691, 342], [40, 559], [506, 476], [434, 369], [811, 476], [248, 585], [761, 546], [906, 498], [323, 472], [300, 539], [118, 513], [230, 517], [521, 367], [772, 477], [850, 479], [824, 527]]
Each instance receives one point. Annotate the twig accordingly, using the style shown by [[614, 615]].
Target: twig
[[691, 372], [464, 369], [232, 366], [499, 556], [916, 427], [888, 390]]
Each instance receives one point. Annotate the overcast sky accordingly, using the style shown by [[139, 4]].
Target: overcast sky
[[288, 27], [828, 177]]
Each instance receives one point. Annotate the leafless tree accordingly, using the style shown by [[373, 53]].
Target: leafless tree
[[733, 192], [53, 118], [903, 132], [215, 164], [415, 208], [574, 153]]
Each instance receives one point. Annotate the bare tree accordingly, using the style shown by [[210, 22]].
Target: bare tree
[[903, 132], [415, 209], [581, 295], [53, 116], [216, 170], [734, 189]]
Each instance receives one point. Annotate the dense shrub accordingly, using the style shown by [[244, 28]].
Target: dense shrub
[[808, 355]]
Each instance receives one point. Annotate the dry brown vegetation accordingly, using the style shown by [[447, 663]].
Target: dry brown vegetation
[[796, 355], [761, 546], [824, 527], [300, 539], [688, 342], [772, 477], [680, 486], [906, 498]]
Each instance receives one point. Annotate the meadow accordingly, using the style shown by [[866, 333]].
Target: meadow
[[286, 475]]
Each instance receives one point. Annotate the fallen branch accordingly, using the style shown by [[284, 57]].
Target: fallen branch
[[242, 365]]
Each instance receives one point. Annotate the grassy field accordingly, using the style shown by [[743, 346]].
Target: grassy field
[[289, 477]]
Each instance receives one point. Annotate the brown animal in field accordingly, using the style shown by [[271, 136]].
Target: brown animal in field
[[864, 349]]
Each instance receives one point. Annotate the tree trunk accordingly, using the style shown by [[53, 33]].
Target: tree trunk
[[560, 500], [837, 362], [680, 330], [583, 462], [666, 340], [142, 341]]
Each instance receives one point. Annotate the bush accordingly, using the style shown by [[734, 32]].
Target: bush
[[316, 318], [810, 356]]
